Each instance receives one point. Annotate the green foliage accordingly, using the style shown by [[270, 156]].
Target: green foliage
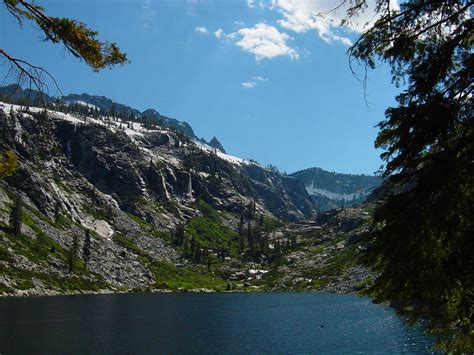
[[170, 276], [77, 38], [270, 224], [8, 163], [150, 228], [36, 249], [211, 234], [5, 255], [207, 210], [65, 284], [423, 240], [129, 244]]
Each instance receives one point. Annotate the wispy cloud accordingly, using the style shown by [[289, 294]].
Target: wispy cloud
[[249, 84], [148, 14], [264, 41], [202, 29], [252, 83], [252, 3]]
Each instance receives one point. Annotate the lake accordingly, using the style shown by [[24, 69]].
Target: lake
[[203, 323]]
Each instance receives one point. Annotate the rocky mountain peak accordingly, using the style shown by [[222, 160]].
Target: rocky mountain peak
[[214, 142]]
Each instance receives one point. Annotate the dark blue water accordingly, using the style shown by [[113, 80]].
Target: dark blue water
[[203, 323]]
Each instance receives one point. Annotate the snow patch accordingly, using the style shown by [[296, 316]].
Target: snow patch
[[230, 158], [83, 103], [314, 191]]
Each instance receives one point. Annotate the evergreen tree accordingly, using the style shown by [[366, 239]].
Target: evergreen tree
[[250, 237], [192, 247], [423, 246], [186, 246], [16, 215], [179, 235], [113, 110], [72, 256], [277, 248], [241, 234], [197, 253], [57, 211], [294, 244], [86, 249], [76, 37]]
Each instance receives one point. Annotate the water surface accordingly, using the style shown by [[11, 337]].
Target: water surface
[[203, 323]]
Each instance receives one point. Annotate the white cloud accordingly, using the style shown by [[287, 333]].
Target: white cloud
[[264, 41], [320, 15], [202, 29], [148, 14], [252, 4], [259, 78], [219, 33], [249, 84]]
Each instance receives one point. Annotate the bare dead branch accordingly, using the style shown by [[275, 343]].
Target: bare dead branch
[[34, 74]]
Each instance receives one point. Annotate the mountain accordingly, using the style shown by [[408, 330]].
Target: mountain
[[104, 105], [15, 93], [214, 142], [162, 210], [332, 190]]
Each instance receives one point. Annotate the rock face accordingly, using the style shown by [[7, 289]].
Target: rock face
[[130, 186], [328, 257], [332, 190]]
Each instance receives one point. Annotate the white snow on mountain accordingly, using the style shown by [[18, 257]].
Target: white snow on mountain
[[116, 124], [314, 191], [83, 103]]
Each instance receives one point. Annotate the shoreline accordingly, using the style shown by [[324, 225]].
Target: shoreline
[[197, 290]]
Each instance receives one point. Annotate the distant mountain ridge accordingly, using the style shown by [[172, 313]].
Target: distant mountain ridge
[[327, 189], [102, 103], [332, 190]]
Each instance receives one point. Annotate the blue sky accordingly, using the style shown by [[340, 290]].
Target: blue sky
[[269, 78]]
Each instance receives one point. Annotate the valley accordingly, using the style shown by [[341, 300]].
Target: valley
[[109, 205]]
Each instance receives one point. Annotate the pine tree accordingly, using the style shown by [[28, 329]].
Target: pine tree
[[179, 235], [57, 211], [422, 246], [277, 247], [72, 256], [77, 38], [294, 243], [86, 249], [16, 216], [192, 247], [241, 234], [250, 237]]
